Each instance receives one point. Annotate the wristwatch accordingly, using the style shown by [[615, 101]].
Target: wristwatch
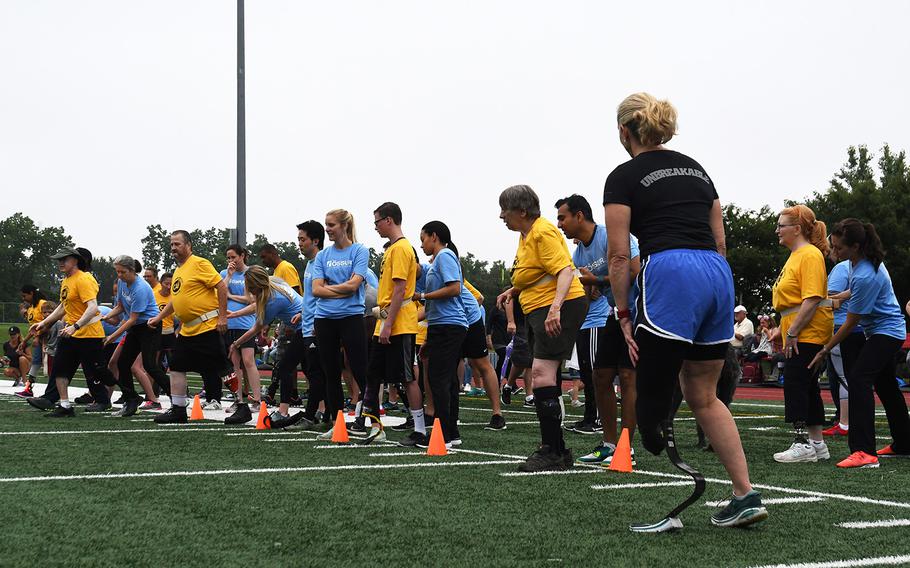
[[76, 326]]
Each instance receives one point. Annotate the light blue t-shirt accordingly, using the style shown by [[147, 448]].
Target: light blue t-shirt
[[872, 298], [137, 298], [593, 257], [371, 279], [309, 301], [838, 281], [450, 311], [108, 328], [472, 310], [237, 287], [421, 284], [284, 307], [337, 266]]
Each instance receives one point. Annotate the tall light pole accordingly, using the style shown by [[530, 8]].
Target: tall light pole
[[241, 132]]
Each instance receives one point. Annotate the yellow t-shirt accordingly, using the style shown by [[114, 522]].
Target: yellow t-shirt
[[540, 257], [162, 301], [286, 271], [193, 294], [75, 292], [33, 314], [474, 291], [803, 276], [398, 263]]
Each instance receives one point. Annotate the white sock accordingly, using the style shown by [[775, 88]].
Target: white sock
[[844, 426], [178, 400], [65, 403], [609, 445], [419, 425], [358, 409]]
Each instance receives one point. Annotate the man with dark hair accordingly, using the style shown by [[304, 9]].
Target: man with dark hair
[[601, 347], [281, 268], [151, 276], [388, 210]]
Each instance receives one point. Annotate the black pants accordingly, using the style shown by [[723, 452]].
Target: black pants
[[586, 346], [315, 377], [802, 395], [141, 339], [332, 335], [286, 371], [500, 359], [89, 353], [849, 353], [874, 369], [443, 351]]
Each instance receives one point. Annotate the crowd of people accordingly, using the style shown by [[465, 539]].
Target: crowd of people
[[645, 301]]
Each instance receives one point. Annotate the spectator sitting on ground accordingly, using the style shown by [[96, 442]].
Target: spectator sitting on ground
[[17, 360], [765, 344], [743, 330]]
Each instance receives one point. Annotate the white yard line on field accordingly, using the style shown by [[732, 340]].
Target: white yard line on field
[[879, 561], [875, 524], [641, 485]]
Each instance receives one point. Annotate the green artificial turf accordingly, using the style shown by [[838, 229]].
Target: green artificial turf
[[411, 516]]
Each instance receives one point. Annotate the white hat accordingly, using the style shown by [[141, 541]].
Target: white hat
[[740, 309]]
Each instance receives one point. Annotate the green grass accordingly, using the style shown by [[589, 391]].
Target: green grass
[[433, 516]]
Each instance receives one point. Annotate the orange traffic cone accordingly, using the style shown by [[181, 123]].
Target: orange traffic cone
[[263, 422], [622, 456], [437, 446], [340, 430], [197, 410]]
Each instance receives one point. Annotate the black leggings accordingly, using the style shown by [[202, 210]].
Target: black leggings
[[332, 335], [314, 376], [802, 395], [443, 350], [874, 369], [144, 340], [286, 371]]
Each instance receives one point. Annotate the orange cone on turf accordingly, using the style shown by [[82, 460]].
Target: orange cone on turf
[[437, 445], [262, 423], [622, 456], [197, 410], [340, 430]]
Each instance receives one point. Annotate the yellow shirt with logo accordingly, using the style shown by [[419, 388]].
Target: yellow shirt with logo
[[802, 277], [75, 292], [398, 263], [33, 314], [541, 255], [286, 271], [474, 291], [193, 294], [162, 301]]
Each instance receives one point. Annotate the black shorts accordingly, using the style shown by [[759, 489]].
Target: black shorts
[[235, 334], [475, 342], [86, 351], [168, 341], [203, 353], [521, 351], [612, 349], [393, 363], [559, 348]]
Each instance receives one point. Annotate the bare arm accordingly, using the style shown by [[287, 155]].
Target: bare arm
[[392, 311], [124, 327], [618, 218], [250, 308], [717, 227]]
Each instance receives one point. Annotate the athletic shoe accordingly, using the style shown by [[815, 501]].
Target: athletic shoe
[[835, 430], [269, 400], [414, 440], [859, 460], [529, 402], [99, 407], [505, 394], [280, 421], [40, 402], [453, 442], [173, 415], [405, 426], [17, 382], [60, 412], [888, 452], [598, 425], [211, 405], [606, 463], [121, 400], [232, 408], [327, 435], [821, 450], [377, 435], [129, 408], [149, 405], [425, 443], [87, 398], [582, 427], [497, 422], [544, 460], [601, 453], [665, 525], [26, 393], [297, 401], [741, 512], [241, 415], [797, 453], [231, 382], [576, 404], [349, 406], [358, 426], [390, 406], [303, 424]]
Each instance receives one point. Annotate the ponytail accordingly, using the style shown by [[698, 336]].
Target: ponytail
[[258, 279], [345, 218], [37, 295], [854, 232], [441, 230], [812, 229]]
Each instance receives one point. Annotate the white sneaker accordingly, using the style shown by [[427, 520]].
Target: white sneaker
[[380, 437], [577, 404], [327, 435], [211, 405], [797, 453], [821, 450]]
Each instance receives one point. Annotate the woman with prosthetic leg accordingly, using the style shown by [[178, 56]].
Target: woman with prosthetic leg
[[684, 316]]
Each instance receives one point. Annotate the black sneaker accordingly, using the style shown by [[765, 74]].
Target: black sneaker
[[497, 422], [415, 440], [87, 398], [405, 426], [121, 400], [40, 402], [173, 415], [529, 401], [304, 424], [241, 415], [741, 512], [60, 412], [269, 400], [358, 426], [129, 408], [582, 427], [567, 459], [280, 421], [104, 407], [544, 460], [297, 401], [506, 394]]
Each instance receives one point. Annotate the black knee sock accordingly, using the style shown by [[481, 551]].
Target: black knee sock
[[546, 399]]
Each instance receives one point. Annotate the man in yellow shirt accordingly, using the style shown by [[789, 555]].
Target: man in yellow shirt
[[199, 300], [168, 337], [151, 276], [80, 341], [280, 268]]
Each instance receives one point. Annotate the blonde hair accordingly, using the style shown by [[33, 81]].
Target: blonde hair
[[814, 230], [651, 121], [344, 217], [258, 278]]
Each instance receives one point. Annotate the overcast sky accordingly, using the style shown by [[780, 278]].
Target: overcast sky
[[115, 115]]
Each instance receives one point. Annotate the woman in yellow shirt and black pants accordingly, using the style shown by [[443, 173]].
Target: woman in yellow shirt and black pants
[[807, 322]]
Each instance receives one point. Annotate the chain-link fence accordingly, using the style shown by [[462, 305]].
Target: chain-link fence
[[9, 313]]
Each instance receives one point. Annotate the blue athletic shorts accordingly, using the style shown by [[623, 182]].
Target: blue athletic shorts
[[686, 295]]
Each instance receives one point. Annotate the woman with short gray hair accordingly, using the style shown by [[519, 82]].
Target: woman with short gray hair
[[552, 298], [135, 298]]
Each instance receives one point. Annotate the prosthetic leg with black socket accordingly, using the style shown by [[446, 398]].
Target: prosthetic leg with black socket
[[552, 455]]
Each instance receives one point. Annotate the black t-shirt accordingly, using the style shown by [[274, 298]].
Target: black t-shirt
[[671, 199], [10, 353], [496, 327]]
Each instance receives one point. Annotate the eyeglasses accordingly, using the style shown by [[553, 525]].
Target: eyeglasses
[[377, 221], [780, 226]]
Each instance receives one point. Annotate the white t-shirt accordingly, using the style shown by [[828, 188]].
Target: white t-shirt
[[744, 329]]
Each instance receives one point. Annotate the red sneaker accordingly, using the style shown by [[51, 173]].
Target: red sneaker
[[27, 393], [859, 459], [835, 430], [888, 452]]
